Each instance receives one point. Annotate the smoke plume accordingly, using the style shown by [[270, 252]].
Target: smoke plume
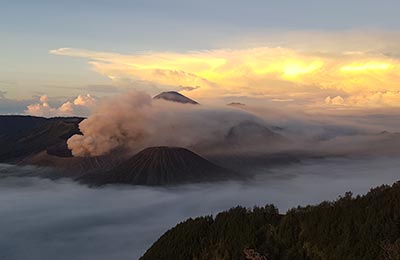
[[133, 121]]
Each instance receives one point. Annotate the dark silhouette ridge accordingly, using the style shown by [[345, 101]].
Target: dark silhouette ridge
[[24, 136]]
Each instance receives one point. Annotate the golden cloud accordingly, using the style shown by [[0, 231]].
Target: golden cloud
[[279, 73]]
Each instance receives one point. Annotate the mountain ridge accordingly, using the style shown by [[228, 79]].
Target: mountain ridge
[[161, 165]]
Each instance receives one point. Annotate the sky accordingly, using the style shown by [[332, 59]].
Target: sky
[[310, 54]]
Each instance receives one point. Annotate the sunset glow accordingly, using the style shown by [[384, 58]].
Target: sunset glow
[[369, 66], [274, 72], [272, 59]]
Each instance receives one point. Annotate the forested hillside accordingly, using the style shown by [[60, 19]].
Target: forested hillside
[[363, 227]]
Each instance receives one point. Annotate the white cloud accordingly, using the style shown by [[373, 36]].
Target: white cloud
[[80, 106], [338, 100], [368, 99]]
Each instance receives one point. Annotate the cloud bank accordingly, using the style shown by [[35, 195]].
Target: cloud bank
[[365, 77], [131, 121], [44, 219], [12, 106], [80, 106], [134, 121]]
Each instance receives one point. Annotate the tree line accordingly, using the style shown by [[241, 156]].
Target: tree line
[[350, 228]]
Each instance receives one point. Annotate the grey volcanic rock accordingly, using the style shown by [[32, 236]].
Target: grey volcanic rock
[[59, 150], [161, 166], [175, 97]]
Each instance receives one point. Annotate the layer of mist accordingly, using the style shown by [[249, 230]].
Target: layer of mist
[[47, 219], [133, 121]]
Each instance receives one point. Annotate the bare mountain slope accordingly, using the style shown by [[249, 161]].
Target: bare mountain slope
[[160, 166]]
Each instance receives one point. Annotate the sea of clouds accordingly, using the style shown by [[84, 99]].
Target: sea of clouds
[[60, 219]]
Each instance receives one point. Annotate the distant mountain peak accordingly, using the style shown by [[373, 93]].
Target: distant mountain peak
[[235, 104], [175, 97]]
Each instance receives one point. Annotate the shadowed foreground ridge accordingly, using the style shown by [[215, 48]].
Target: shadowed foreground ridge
[[160, 166], [365, 228]]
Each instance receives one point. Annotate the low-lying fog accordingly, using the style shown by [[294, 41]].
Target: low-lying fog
[[46, 219]]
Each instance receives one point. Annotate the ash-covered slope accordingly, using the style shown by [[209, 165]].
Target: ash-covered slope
[[161, 166], [175, 97], [73, 167]]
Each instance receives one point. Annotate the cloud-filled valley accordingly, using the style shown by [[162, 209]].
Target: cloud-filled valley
[[60, 219]]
